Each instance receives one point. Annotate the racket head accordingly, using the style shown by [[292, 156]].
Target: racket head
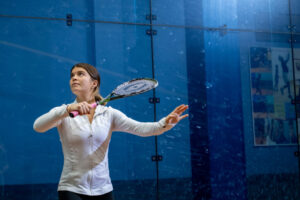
[[135, 86]]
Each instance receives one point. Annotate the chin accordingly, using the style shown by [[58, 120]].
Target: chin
[[75, 92]]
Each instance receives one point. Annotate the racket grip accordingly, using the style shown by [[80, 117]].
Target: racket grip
[[75, 113], [94, 105]]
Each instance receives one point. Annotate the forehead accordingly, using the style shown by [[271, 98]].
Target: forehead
[[78, 69]]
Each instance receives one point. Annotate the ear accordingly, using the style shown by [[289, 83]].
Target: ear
[[94, 83]]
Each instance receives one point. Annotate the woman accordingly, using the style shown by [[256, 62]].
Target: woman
[[85, 138]]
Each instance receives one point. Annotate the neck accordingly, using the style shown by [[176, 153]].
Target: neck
[[87, 98]]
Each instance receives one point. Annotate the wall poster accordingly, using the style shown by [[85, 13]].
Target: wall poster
[[272, 91]]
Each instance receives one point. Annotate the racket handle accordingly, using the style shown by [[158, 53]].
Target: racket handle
[[75, 113]]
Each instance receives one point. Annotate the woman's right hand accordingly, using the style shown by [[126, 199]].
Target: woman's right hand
[[83, 108]]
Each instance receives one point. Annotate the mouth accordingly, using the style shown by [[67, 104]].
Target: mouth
[[75, 84]]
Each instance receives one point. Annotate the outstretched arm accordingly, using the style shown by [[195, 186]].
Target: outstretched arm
[[122, 123]]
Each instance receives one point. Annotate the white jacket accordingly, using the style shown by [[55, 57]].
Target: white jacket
[[85, 145]]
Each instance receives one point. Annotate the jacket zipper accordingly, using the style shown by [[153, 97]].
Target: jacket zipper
[[91, 164]]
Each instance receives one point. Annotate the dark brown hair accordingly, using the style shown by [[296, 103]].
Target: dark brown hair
[[93, 72]]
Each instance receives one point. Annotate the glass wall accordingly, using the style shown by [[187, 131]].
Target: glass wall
[[235, 63]]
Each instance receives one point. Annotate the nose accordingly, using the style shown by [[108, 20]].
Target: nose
[[73, 78]]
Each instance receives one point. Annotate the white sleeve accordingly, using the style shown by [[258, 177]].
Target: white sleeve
[[120, 122], [51, 119]]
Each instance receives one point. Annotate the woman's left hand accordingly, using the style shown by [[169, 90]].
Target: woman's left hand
[[175, 116]]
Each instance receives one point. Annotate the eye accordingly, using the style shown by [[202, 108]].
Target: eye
[[80, 73]]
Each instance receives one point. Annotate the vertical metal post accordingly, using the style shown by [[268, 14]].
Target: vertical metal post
[[154, 96]]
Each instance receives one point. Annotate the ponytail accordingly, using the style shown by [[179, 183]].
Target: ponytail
[[98, 96]]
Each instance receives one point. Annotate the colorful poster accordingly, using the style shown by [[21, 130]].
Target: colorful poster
[[272, 91]]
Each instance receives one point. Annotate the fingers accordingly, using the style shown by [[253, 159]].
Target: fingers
[[175, 116], [180, 109], [183, 108], [83, 108], [86, 108], [184, 116]]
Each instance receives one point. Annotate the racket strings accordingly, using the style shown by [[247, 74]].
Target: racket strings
[[136, 86]]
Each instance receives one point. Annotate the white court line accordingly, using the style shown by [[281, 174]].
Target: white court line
[[61, 58], [39, 52]]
